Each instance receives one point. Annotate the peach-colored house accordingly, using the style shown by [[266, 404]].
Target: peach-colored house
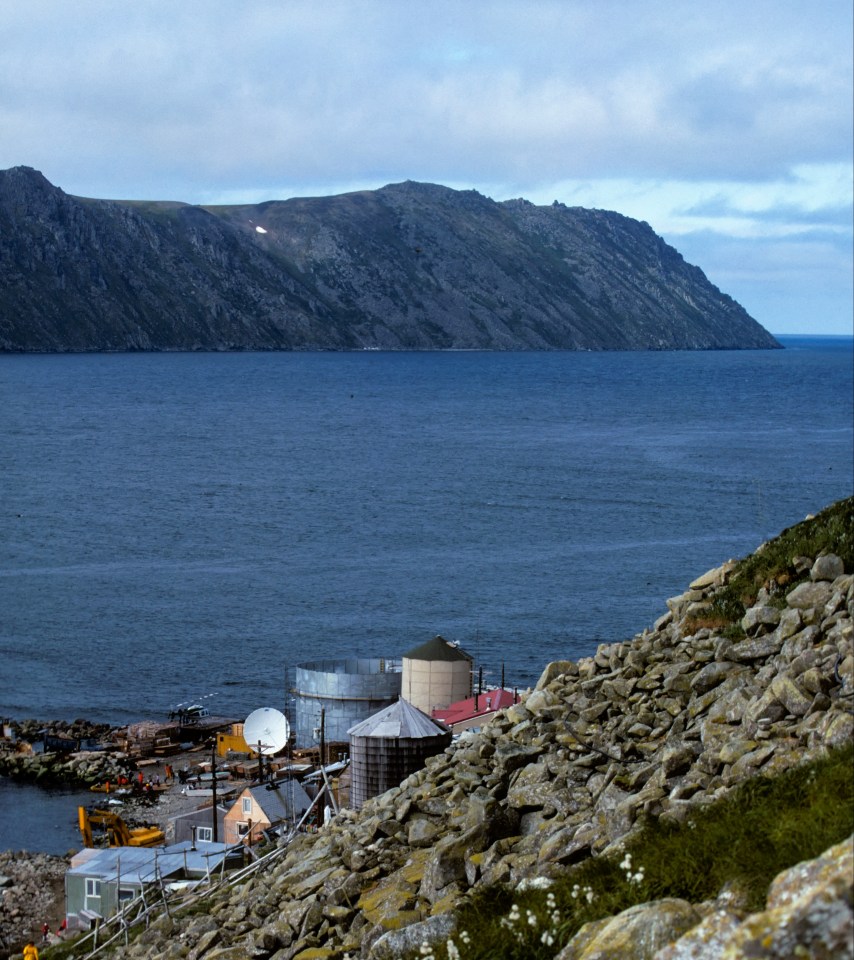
[[264, 807]]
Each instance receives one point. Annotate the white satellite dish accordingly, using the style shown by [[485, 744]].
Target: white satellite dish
[[267, 727]]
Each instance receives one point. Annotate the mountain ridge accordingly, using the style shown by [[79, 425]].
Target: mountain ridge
[[410, 266]]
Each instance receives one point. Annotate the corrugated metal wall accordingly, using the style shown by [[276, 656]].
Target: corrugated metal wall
[[378, 764], [349, 691]]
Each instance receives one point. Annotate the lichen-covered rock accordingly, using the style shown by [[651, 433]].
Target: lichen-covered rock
[[706, 941], [828, 567], [396, 943], [810, 914], [635, 934], [809, 595]]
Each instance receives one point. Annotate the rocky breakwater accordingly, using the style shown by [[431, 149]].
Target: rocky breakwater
[[70, 767], [673, 718]]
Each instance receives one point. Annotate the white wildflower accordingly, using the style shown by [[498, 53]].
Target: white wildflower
[[509, 920], [453, 952], [535, 883], [547, 939], [532, 918]]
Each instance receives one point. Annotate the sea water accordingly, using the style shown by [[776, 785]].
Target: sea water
[[179, 526]]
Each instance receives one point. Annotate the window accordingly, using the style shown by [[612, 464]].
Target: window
[[242, 828], [126, 894], [204, 834], [93, 887], [247, 804]]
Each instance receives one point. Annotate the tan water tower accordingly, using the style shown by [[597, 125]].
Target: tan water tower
[[436, 674]]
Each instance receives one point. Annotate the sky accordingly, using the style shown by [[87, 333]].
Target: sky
[[725, 124]]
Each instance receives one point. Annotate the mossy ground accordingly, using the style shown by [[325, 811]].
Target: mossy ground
[[772, 567]]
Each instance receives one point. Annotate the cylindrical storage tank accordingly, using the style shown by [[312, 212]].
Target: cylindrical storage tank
[[348, 690], [436, 674], [387, 747]]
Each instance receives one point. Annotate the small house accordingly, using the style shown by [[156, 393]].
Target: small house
[[100, 881], [197, 825], [473, 712], [268, 806]]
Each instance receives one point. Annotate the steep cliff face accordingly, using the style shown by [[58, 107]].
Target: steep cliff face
[[409, 266]]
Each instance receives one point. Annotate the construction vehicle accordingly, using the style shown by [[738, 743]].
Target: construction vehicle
[[119, 834]]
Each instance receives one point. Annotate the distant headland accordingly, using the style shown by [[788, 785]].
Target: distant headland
[[411, 266]]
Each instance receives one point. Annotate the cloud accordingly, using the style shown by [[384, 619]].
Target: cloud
[[702, 119], [216, 93], [810, 198], [790, 285]]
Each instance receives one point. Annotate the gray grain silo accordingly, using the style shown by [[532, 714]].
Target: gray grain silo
[[436, 674], [387, 747], [348, 690]]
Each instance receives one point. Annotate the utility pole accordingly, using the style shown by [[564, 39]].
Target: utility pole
[[213, 792]]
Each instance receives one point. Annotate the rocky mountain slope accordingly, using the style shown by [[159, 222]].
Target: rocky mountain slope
[[411, 266], [656, 726]]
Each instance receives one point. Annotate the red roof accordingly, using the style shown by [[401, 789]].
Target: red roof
[[487, 703]]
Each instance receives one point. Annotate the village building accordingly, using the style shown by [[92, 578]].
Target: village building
[[100, 881], [266, 807], [473, 712], [197, 825]]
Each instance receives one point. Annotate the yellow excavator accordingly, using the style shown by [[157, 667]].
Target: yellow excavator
[[119, 834]]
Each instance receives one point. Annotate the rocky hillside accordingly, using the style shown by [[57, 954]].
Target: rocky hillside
[[411, 266], [655, 727]]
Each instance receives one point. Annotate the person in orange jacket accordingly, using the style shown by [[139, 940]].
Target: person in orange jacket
[[31, 952]]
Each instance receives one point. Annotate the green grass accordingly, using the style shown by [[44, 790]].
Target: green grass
[[739, 843], [831, 531]]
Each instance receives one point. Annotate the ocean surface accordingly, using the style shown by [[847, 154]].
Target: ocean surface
[[179, 526]]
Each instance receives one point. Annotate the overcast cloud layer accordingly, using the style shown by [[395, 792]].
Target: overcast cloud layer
[[727, 126]]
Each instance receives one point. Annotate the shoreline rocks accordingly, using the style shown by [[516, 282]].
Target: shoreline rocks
[[85, 768]]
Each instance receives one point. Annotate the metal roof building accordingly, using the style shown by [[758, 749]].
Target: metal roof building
[[474, 712], [100, 881]]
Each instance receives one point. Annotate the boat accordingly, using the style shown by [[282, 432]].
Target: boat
[[207, 791], [220, 775], [197, 779], [128, 791]]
